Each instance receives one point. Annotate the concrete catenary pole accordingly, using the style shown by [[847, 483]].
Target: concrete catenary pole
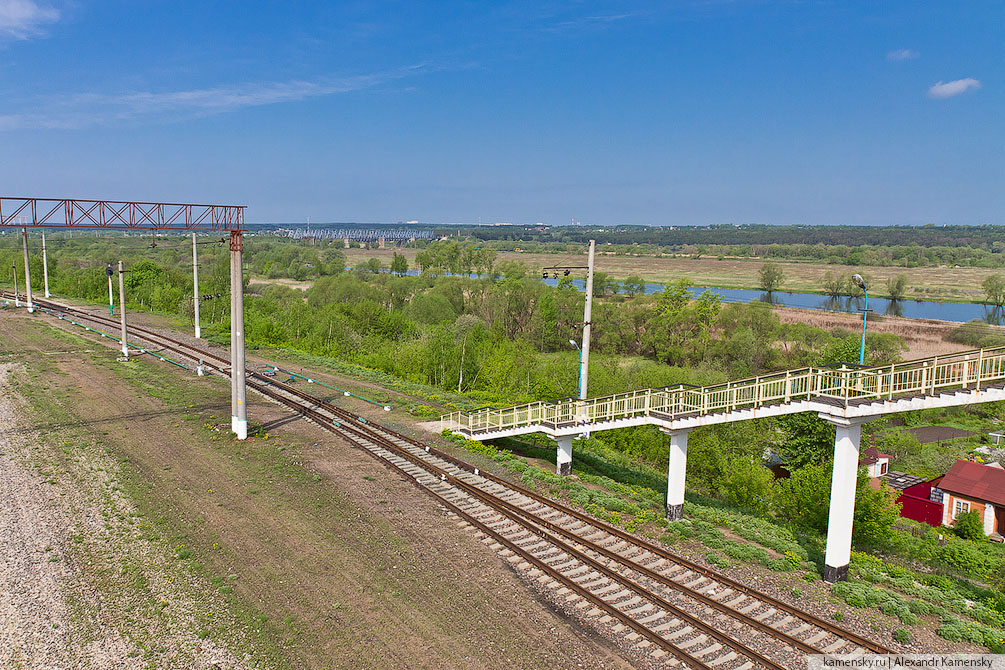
[[237, 372], [195, 284], [122, 309], [584, 353], [27, 271], [45, 266]]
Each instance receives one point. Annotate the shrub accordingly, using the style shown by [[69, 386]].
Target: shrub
[[902, 635], [970, 526], [965, 557]]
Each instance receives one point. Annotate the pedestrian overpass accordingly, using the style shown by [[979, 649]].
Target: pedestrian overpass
[[846, 396]]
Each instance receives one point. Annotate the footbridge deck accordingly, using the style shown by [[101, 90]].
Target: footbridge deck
[[940, 381], [846, 397]]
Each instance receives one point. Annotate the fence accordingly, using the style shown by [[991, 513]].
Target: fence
[[839, 386]]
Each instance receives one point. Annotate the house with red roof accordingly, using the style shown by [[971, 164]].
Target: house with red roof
[[876, 463], [975, 487]]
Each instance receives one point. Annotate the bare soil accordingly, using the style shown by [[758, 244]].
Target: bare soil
[[923, 337], [319, 555]]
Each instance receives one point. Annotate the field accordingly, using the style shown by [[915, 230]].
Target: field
[[958, 284], [160, 541]]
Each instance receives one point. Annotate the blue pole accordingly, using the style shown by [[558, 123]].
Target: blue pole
[[865, 315], [579, 386]]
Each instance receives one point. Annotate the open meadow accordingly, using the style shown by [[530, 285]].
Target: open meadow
[[943, 283]]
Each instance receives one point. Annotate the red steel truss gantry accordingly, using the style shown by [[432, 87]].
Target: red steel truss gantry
[[25, 213], [111, 214]]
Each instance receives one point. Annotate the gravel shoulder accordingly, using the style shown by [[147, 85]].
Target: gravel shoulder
[[183, 548]]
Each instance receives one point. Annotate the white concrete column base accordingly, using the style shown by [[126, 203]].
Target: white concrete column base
[[676, 473], [563, 459], [832, 574], [844, 479], [241, 428]]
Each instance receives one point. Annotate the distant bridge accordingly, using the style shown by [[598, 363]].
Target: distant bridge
[[846, 397], [361, 234]]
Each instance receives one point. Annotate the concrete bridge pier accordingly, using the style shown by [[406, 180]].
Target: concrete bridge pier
[[842, 507], [563, 462], [676, 474]]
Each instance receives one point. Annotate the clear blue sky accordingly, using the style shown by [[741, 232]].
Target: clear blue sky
[[674, 112]]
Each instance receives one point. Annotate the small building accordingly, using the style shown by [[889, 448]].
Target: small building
[[975, 487], [876, 463], [919, 500]]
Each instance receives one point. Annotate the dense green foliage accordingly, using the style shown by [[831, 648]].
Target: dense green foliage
[[970, 526]]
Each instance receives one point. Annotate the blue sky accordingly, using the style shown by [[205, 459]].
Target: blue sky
[[664, 113]]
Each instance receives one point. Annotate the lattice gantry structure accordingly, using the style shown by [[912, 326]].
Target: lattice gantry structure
[[118, 215], [85, 214]]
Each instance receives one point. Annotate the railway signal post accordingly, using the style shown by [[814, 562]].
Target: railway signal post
[[111, 300], [27, 272], [17, 296]]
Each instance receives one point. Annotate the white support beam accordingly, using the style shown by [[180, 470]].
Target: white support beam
[[842, 506], [563, 461], [676, 474]]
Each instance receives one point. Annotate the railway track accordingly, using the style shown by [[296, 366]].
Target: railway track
[[665, 607]]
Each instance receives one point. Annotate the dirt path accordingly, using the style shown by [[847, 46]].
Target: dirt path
[[314, 554]]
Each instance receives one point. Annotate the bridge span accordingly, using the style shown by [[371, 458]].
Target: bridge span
[[845, 396]]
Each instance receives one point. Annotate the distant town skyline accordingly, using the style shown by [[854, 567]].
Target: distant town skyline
[[691, 112]]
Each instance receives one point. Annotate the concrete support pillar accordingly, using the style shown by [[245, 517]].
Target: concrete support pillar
[[45, 266], [122, 309], [239, 410], [676, 473], [842, 506], [563, 462], [27, 272], [346, 242], [195, 287]]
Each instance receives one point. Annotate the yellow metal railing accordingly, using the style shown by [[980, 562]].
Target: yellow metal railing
[[968, 369]]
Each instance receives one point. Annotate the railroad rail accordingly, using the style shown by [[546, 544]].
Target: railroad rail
[[669, 604]]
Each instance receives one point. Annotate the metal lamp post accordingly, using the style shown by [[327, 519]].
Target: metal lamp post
[[579, 388], [857, 278]]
